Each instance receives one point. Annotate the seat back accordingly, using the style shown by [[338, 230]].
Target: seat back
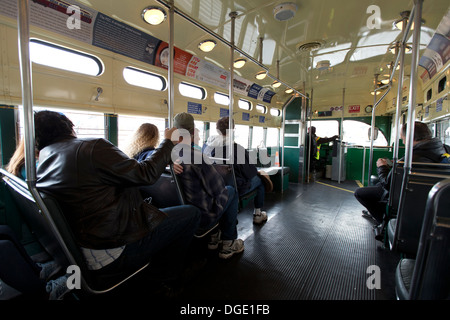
[[164, 192], [34, 218], [410, 217], [430, 279], [56, 236]]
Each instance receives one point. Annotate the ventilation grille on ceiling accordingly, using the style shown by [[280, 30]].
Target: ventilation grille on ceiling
[[309, 46]]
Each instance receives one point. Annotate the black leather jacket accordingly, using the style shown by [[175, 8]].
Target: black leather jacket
[[429, 151], [97, 186]]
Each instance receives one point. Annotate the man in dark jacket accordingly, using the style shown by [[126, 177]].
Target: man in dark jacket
[[246, 173], [425, 149], [204, 187], [97, 187]]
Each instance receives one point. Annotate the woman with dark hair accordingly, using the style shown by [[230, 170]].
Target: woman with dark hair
[[97, 187]]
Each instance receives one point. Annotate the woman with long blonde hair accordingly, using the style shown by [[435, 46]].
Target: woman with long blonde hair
[[144, 142], [16, 164]]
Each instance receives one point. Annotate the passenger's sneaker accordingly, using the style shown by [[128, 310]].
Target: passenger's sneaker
[[214, 240], [260, 218], [57, 288], [230, 247]]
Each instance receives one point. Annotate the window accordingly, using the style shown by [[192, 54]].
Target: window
[[55, 56], [241, 134], [258, 137], [261, 109], [244, 104], [429, 94], [326, 128], [144, 79], [272, 139], [221, 98], [275, 112], [441, 84], [192, 91], [129, 124], [86, 124], [357, 133], [199, 125]]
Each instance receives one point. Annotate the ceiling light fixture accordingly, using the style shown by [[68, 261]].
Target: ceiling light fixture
[[239, 63], [285, 11], [154, 15], [261, 75], [393, 49], [404, 18], [207, 45], [289, 90]]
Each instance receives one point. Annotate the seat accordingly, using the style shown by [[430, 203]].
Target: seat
[[227, 172], [56, 236], [201, 232], [404, 231], [163, 193], [426, 277]]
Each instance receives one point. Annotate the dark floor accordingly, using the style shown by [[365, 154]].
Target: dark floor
[[314, 246]]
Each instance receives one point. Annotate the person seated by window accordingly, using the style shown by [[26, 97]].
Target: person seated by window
[[247, 175], [97, 187], [205, 188], [143, 142], [374, 198], [16, 164]]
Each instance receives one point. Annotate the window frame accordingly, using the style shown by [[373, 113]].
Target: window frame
[[72, 51]]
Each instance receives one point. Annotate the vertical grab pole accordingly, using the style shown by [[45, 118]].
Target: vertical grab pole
[[341, 134], [27, 89], [372, 128], [411, 111], [171, 89], [233, 16]]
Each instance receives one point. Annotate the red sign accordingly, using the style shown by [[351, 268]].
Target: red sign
[[353, 109]]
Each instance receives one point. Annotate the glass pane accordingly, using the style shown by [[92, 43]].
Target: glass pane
[[86, 124], [272, 137], [244, 104], [144, 79], [241, 134], [356, 133], [57, 57], [275, 112], [129, 124], [220, 98], [258, 137], [191, 91], [326, 128], [260, 108]]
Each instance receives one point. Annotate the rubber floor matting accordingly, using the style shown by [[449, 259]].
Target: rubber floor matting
[[314, 246]]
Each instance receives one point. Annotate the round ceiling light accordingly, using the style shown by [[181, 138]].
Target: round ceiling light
[[284, 11], [239, 63], [261, 75], [207, 45], [154, 15]]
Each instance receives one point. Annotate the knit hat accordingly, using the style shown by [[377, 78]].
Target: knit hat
[[184, 121]]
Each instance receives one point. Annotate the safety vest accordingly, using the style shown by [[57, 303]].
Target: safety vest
[[445, 158], [317, 156]]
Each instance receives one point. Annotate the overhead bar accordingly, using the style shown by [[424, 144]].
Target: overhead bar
[[223, 40]]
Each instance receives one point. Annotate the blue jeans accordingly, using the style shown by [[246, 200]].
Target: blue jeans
[[227, 222], [164, 247], [256, 184]]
